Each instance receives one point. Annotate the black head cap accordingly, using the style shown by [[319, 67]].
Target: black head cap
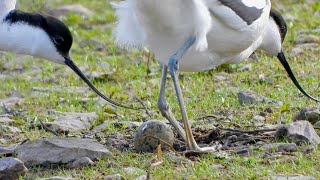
[[280, 22], [59, 34], [56, 30]]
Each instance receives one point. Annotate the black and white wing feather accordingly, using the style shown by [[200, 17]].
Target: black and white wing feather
[[237, 14]]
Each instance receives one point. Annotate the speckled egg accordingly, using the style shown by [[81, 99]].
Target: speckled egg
[[152, 133]]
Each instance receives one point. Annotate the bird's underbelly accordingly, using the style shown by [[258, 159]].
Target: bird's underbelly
[[195, 61], [225, 44], [223, 47]]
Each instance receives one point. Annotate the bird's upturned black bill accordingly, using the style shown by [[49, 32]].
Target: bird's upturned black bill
[[286, 65], [70, 63]]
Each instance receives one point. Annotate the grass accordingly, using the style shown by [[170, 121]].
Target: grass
[[203, 95]]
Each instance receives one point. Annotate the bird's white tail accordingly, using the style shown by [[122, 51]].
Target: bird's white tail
[[192, 15], [128, 32]]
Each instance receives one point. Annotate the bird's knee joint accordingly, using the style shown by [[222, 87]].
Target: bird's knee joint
[[163, 106], [173, 65]]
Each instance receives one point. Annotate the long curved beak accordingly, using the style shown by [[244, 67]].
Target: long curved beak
[[68, 61], [286, 65]]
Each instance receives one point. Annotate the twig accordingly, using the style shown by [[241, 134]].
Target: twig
[[164, 143], [181, 142], [248, 132], [234, 124], [219, 119], [210, 133], [254, 139], [189, 153], [11, 111], [143, 105], [45, 127], [211, 116], [154, 163], [289, 154], [24, 141]]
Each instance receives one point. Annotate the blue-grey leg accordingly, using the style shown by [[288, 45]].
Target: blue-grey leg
[[173, 69], [164, 106]]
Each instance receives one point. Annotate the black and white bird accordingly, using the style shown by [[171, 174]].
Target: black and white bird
[[198, 35], [41, 36]]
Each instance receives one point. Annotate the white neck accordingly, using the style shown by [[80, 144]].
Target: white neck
[[271, 42], [6, 6]]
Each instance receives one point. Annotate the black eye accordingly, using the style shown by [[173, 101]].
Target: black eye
[[58, 40]]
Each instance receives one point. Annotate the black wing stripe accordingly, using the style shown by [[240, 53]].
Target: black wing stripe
[[247, 14]]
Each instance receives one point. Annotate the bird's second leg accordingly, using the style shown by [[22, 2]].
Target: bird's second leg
[[164, 106], [173, 69]]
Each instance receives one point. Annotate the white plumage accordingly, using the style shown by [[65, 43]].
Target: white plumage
[[22, 38], [162, 26], [195, 35]]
